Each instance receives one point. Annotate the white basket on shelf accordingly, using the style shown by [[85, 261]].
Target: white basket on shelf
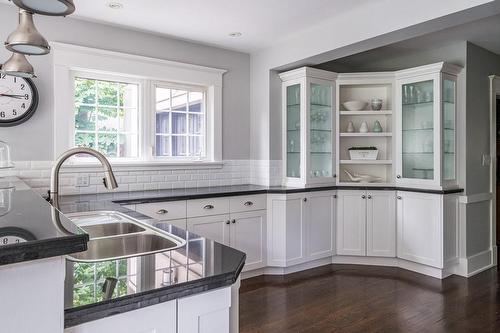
[[368, 154]]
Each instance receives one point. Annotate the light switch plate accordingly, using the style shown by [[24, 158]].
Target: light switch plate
[[486, 160], [82, 180]]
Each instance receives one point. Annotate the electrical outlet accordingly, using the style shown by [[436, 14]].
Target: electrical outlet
[[486, 160], [82, 180]]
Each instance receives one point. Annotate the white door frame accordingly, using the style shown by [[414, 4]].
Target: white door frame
[[494, 94]]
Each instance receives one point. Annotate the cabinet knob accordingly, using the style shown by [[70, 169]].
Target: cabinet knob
[[228, 222], [334, 175], [305, 199], [369, 196], [162, 212], [363, 196], [208, 207], [399, 197], [398, 176], [233, 221], [335, 196], [248, 203]]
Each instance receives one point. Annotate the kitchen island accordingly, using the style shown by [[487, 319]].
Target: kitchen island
[[165, 292]]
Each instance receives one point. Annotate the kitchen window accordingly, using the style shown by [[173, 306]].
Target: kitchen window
[[155, 112]]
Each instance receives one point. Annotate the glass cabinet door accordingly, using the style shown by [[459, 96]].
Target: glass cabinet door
[[449, 129], [320, 131], [293, 131], [418, 130]]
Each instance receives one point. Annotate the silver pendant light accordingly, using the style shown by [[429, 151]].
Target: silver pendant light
[[18, 65], [26, 39], [47, 7]]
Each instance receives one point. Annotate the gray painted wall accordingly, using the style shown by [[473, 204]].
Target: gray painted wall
[[33, 140]]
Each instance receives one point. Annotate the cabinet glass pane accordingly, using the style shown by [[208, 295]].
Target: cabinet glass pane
[[418, 130], [320, 136], [293, 131], [448, 129]]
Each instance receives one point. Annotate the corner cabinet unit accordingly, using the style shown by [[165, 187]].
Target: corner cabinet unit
[[426, 101], [301, 227], [308, 127]]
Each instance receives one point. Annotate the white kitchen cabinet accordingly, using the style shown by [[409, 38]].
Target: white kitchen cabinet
[[205, 313], [248, 234], [426, 126], [214, 227], [300, 227], [420, 229], [159, 318], [351, 223], [380, 224], [320, 212], [366, 223], [243, 231], [308, 127]]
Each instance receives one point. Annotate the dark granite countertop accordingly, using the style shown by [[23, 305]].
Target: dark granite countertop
[[26, 214], [223, 191], [199, 266]]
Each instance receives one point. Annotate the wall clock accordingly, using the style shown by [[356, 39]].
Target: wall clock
[[14, 235], [18, 100]]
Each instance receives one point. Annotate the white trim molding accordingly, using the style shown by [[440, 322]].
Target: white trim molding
[[69, 58]]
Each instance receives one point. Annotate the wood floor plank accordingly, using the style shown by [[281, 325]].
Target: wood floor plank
[[351, 298]]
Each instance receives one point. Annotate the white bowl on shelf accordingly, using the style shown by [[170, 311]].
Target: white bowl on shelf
[[354, 105]]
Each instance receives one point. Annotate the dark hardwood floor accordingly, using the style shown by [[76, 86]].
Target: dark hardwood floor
[[349, 298]]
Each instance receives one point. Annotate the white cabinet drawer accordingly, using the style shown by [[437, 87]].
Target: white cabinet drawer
[[209, 206], [247, 203], [163, 211]]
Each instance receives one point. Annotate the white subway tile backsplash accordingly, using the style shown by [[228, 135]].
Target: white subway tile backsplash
[[233, 172]]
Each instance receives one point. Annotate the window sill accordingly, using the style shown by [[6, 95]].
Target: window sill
[[142, 166]]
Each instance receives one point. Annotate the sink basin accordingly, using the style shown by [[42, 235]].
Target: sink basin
[[125, 246], [111, 229], [114, 235]]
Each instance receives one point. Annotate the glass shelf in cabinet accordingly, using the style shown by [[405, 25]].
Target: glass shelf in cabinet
[[418, 103], [321, 152]]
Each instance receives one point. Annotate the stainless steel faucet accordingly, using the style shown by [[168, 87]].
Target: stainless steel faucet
[[108, 180]]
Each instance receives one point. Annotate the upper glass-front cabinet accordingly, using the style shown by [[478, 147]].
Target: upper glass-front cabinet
[[308, 131], [426, 126]]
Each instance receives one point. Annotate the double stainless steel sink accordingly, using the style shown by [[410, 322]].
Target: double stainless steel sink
[[114, 235]]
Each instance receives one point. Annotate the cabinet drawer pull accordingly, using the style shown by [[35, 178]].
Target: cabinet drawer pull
[[399, 197], [248, 203], [305, 199], [398, 176], [335, 196], [363, 196], [369, 196], [209, 207], [162, 212], [228, 222], [233, 221]]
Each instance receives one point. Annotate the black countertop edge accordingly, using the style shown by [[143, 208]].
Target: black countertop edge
[[188, 197], [34, 250], [91, 312], [277, 190]]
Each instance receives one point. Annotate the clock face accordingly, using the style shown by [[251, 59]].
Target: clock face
[[18, 99], [14, 235]]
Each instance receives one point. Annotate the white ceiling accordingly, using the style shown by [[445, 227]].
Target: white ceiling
[[262, 22]]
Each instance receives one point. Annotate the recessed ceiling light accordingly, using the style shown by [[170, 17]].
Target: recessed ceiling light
[[115, 5], [235, 34]]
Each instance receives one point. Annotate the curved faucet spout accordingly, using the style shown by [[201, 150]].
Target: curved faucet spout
[[109, 179]]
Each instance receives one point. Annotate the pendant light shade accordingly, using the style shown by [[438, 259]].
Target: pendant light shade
[[47, 7], [26, 39], [18, 65]]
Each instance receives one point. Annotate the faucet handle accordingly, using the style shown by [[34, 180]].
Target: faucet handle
[[104, 182]]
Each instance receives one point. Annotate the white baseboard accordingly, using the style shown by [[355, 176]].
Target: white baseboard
[[354, 260], [481, 261]]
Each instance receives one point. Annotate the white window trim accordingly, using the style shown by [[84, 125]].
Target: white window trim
[[68, 58]]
